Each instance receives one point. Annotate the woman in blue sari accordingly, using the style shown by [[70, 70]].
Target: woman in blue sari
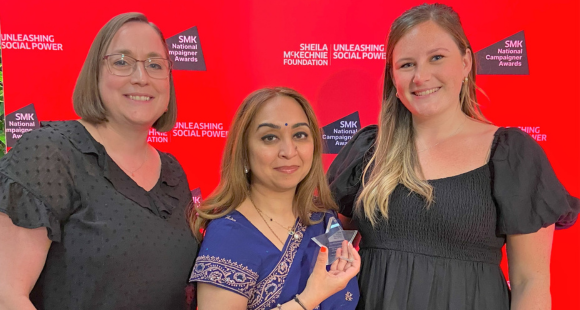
[[257, 251]]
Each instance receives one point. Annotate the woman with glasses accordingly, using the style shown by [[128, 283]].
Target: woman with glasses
[[92, 216]]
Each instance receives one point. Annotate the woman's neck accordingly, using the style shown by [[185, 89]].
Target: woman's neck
[[274, 203], [118, 139], [438, 127]]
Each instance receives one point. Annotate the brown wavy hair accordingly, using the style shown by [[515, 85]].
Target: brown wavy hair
[[312, 193], [395, 158]]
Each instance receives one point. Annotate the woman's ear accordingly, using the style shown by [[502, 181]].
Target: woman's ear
[[467, 60]]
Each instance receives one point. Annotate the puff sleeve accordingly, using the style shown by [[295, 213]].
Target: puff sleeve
[[36, 186], [527, 192], [345, 172]]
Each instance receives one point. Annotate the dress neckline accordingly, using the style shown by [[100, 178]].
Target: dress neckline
[[256, 230], [121, 173], [161, 199], [475, 170]]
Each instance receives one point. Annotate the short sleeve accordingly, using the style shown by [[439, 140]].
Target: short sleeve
[[528, 194], [345, 172], [224, 259], [36, 188]]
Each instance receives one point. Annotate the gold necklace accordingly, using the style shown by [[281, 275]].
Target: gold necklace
[[128, 172], [131, 173], [296, 235]]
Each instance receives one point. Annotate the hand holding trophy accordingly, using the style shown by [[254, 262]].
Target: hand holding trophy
[[325, 281], [333, 241]]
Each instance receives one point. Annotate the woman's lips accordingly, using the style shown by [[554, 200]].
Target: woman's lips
[[139, 98], [287, 169], [426, 92]]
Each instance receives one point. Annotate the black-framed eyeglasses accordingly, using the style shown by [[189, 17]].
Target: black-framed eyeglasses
[[123, 65]]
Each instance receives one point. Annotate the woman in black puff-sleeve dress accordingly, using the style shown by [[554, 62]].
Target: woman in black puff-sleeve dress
[[442, 249]]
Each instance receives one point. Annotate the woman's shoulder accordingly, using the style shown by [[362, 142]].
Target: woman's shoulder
[[226, 229], [355, 151], [28, 179], [512, 132], [526, 188], [230, 238], [226, 257], [367, 134], [171, 170], [168, 158], [231, 219], [51, 133], [345, 173], [515, 141], [317, 216], [47, 145]]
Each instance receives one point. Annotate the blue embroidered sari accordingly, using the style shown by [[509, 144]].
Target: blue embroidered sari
[[237, 257]]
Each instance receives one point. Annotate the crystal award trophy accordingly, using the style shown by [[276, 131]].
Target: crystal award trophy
[[333, 238]]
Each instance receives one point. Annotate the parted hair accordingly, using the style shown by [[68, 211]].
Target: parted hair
[[312, 193], [87, 101], [394, 160]]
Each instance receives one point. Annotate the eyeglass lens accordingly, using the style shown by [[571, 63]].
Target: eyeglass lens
[[123, 65]]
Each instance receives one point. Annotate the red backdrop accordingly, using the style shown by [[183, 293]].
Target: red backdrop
[[244, 43]]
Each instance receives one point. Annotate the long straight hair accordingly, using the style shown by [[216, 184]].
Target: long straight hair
[[234, 185], [395, 159]]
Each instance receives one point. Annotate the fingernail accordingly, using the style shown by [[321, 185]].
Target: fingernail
[[323, 249]]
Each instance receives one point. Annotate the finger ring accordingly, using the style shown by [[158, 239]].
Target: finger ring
[[350, 260]]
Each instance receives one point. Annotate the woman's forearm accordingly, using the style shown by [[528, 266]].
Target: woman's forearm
[[15, 302], [531, 295], [309, 301]]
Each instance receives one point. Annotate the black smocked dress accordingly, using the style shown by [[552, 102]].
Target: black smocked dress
[[114, 244], [448, 257]]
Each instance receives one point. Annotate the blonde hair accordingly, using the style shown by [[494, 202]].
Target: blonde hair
[[234, 185], [87, 101], [394, 160]]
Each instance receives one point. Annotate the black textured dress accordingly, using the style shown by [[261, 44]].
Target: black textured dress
[[114, 244], [448, 257]]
